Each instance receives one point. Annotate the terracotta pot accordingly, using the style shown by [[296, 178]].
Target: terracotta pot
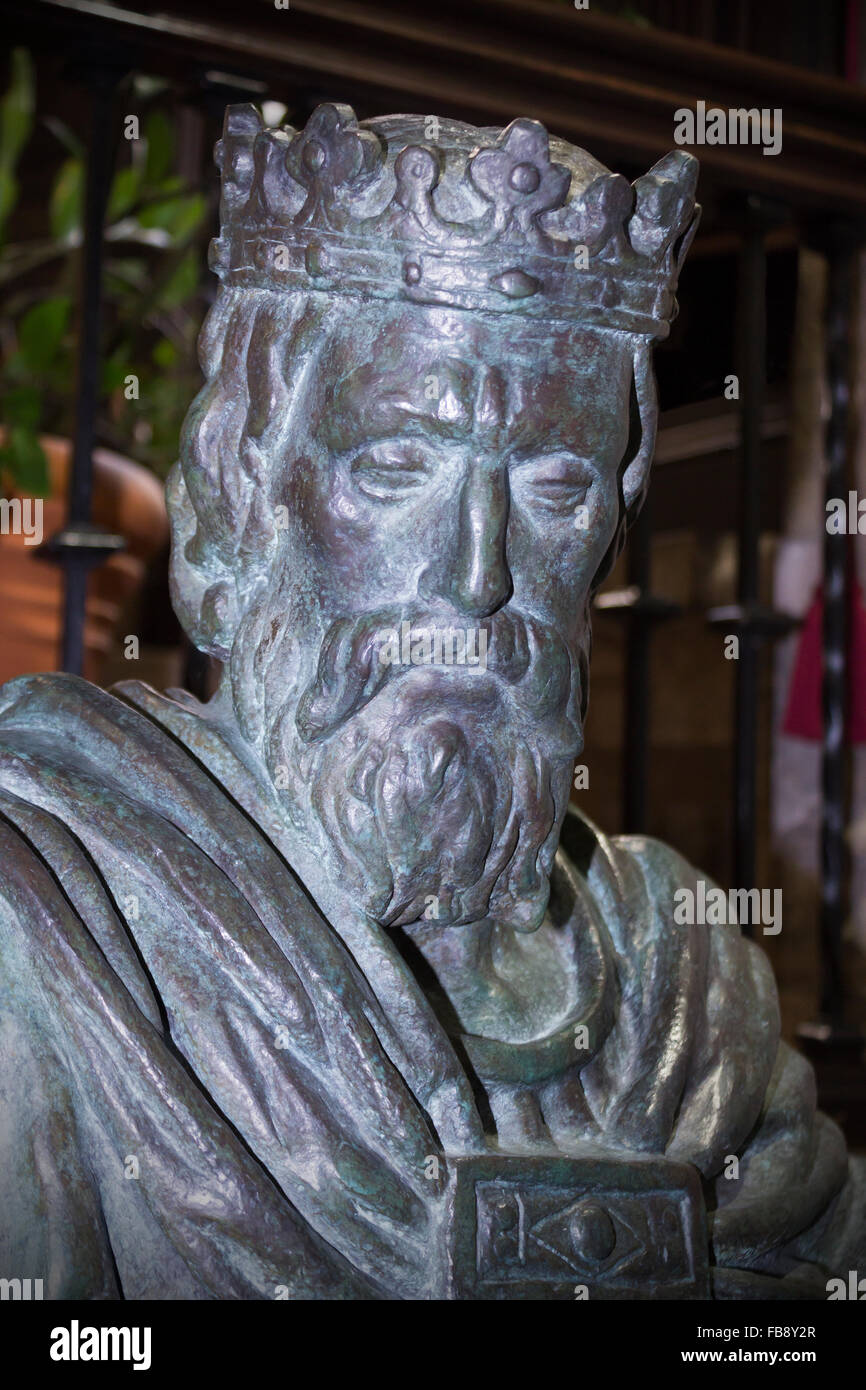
[[127, 498]]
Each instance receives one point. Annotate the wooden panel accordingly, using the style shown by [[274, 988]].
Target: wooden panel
[[604, 83]]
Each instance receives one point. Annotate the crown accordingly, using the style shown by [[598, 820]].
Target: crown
[[434, 211]]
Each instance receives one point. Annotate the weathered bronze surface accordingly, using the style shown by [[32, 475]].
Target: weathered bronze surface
[[321, 990]]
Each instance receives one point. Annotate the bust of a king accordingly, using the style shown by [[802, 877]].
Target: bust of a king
[[320, 989]]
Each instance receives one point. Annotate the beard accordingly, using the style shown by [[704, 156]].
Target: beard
[[441, 789]]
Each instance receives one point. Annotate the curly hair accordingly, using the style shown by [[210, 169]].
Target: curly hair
[[256, 348]]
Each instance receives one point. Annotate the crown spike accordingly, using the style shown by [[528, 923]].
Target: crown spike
[[473, 219]]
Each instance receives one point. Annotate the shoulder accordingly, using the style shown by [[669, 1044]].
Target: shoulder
[[640, 868], [78, 715], [664, 915], [698, 1025], [624, 872], [586, 844]]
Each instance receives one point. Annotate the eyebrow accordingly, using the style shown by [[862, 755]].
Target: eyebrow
[[384, 419], [388, 412], [390, 415], [379, 416]]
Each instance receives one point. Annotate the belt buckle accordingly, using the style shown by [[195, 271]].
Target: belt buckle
[[600, 1226]]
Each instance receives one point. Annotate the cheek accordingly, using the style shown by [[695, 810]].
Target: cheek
[[566, 548], [355, 552], [553, 562]]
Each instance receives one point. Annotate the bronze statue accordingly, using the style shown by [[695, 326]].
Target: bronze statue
[[321, 990]]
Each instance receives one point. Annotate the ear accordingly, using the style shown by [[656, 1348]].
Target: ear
[[643, 416], [635, 465]]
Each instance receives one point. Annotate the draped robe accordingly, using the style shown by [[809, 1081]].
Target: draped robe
[[204, 1095]]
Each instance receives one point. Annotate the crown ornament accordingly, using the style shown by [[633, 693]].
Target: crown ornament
[[501, 221]]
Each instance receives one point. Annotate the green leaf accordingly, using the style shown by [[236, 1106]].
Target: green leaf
[[114, 371], [16, 108], [62, 379], [41, 331], [14, 367], [172, 183], [177, 216], [125, 187], [22, 405], [67, 199], [8, 195], [125, 272], [181, 284], [159, 135], [24, 458], [165, 353]]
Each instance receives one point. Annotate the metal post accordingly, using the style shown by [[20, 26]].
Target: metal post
[[754, 623], [834, 774], [833, 1043], [752, 330], [80, 545]]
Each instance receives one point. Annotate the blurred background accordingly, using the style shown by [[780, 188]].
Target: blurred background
[[753, 766]]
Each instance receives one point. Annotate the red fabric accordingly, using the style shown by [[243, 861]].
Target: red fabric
[[803, 714]]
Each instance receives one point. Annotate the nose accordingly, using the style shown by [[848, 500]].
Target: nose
[[473, 574]]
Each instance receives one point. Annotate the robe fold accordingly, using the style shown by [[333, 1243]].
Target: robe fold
[[207, 1093]]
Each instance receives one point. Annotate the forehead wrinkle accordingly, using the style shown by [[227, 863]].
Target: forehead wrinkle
[[368, 372], [357, 393], [394, 414]]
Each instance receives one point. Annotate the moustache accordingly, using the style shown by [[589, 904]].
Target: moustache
[[520, 652]]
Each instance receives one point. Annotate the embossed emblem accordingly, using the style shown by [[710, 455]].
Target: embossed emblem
[[542, 1227]]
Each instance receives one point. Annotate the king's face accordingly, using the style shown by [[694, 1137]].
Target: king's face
[[460, 460], [461, 474]]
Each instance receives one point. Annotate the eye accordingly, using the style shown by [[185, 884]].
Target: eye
[[390, 471], [557, 483]]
